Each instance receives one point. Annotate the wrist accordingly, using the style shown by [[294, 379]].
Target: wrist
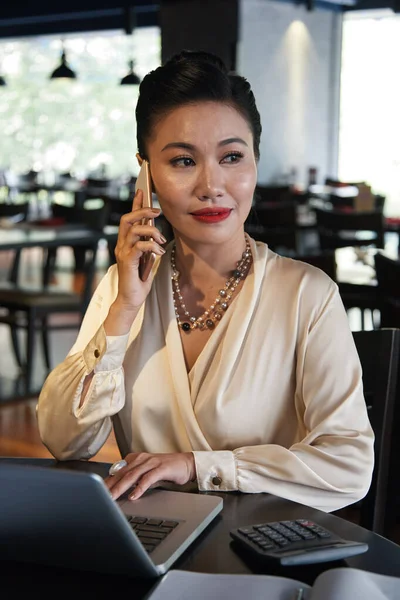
[[192, 466], [120, 318]]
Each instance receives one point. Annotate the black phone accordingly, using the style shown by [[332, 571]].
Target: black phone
[[143, 182]]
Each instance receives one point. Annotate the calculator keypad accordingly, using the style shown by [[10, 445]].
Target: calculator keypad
[[296, 542], [283, 534]]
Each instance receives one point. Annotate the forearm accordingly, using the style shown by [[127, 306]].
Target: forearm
[[327, 476], [68, 428], [120, 319], [117, 323]]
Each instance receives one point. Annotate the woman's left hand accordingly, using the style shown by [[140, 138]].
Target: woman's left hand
[[145, 470]]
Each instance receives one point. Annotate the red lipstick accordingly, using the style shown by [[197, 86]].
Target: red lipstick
[[212, 214]]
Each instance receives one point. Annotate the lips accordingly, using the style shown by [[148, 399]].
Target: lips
[[211, 215], [211, 211]]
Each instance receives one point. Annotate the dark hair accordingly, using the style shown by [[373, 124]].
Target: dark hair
[[187, 78]]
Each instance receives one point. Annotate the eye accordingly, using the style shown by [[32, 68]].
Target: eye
[[232, 157], [182, 161]]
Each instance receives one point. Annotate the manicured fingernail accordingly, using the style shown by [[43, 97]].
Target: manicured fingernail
[[132, 496], [155, 210], [162, 238]]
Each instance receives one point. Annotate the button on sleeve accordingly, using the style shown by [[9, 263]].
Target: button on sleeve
[[215, 471]]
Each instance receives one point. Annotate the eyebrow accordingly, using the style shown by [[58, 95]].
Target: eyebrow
[[187, 146]]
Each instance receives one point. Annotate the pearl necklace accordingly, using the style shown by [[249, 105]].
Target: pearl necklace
[[210, 317]]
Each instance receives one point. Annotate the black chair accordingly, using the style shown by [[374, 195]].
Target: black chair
[[325, 261], [29, 308], [332, 182], [272, 193], [337, 228], [350, 202], [388, 277], [14, 210], [363, 297], [19, 212], [274, 223], [117, 208], [379, 352], [93, 214]]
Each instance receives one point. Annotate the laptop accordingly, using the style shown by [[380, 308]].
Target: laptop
[[66, 518]]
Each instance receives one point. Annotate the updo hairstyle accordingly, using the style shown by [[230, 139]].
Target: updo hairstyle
[[188, 78]]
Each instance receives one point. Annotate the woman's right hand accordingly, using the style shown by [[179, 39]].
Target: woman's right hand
[[132, 291]]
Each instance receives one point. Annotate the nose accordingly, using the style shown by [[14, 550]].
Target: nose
[[210, 182]]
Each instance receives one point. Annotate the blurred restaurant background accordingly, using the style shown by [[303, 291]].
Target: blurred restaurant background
[[325, 78]]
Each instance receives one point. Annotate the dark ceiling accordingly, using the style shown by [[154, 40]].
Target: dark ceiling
[[19, 17]]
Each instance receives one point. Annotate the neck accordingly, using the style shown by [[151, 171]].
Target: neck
[[205, 265]]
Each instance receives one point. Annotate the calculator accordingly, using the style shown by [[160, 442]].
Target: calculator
[[296, 542]]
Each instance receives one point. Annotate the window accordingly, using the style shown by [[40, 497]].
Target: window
[[369, 136], [73, 125]]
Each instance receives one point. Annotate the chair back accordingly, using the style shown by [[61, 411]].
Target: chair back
[[94, 182], [93, 214], [350, 202], [117, 208], [326, 261], [274, 223], [332, 182], [388, 276], [19, 210], [337, 228], [379, 352], [272, 193]]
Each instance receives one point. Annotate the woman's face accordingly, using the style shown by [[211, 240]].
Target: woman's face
[[202, 159]]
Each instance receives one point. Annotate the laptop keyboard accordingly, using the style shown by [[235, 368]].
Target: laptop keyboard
[[151, 532]]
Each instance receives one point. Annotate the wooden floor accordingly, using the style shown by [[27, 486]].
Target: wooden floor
[[19, 435]]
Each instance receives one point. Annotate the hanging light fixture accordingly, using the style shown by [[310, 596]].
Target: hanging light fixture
[[63, 71], [2, 80], [131, 78]]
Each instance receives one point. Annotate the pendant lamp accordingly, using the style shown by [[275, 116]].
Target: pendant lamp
[[130, 78], [63, 71], [130, 22]]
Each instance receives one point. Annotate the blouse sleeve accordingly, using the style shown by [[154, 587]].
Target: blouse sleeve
[[331, 465], [68, 431]]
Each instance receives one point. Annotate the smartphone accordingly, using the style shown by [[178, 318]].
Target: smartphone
[[143, 182]]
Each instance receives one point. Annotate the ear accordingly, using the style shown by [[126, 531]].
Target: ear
[[139, 159]]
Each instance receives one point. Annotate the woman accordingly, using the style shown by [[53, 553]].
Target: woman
[[230, 366]]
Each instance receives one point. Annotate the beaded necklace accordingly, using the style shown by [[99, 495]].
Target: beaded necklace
[[210, 317]]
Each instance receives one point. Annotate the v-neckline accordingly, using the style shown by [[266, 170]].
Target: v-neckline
[[187, 385], [170, 324], [223, 323]]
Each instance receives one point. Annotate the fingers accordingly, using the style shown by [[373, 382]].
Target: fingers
[[133, 252], [137, 200], [144, 470], [130, 475], [138, 231], [134, 235], [137, 213], [146, 482], [136, 217]]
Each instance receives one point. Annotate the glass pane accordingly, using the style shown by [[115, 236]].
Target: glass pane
[[73, 125], [369, 142]]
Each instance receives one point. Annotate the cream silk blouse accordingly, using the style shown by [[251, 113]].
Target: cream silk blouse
[[274, 402]]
